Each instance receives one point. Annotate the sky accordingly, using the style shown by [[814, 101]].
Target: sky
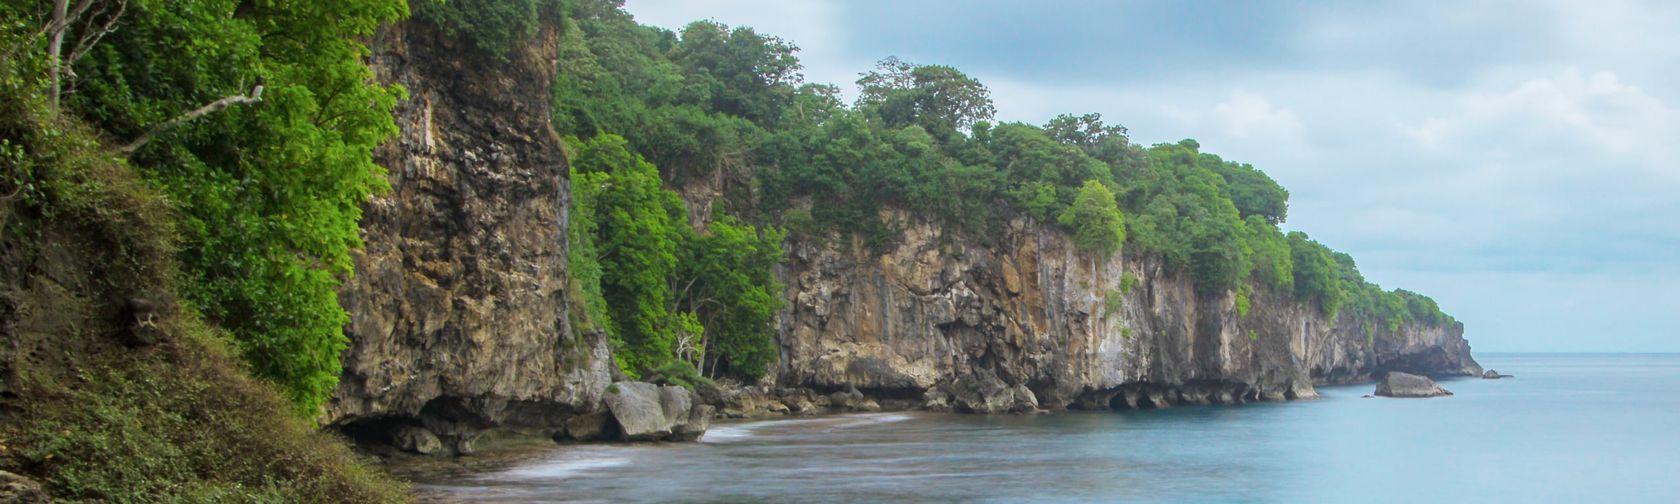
[[1517, 161]]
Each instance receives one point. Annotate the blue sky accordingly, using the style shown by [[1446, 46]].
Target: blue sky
[[1517, 161]]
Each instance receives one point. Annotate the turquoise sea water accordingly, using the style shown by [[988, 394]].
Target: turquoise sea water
[[1568, 428]]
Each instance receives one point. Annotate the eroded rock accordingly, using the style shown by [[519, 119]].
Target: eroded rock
[[1397, 384], [416, 439]]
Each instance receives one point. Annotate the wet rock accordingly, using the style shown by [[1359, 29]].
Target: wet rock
[[699, 419], [1494, 375], [1397, 384], [637, 408], [936, 400], [416, 439], [586, 427]]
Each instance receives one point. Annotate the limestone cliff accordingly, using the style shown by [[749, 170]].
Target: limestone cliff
[[458, 305], [977, 322]]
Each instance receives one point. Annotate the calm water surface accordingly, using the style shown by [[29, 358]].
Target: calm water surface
[[1568, 428]]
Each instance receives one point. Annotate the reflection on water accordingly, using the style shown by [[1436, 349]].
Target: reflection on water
[[1568, 428]]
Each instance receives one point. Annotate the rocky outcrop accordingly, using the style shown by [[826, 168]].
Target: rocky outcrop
[[1494, 375], [647, 412], [1025, 321], [1397, 384], [459, 304]]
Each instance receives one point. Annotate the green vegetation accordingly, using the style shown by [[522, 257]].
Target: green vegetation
[[92, 415], [1094, 219], [673, 301], [495, 27], [729, 104], [257, 123]]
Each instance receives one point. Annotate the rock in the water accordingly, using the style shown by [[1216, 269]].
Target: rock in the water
[[1494, 375], [15, 489], [1398, 384], [1025, 400], [936, 400], [416, 439], [699, 419], [648, 412], [637, 408]]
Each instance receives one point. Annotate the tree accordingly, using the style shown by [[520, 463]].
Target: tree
[[495, 27], [269, 194], [727, 278], [1086, 131], [1316, 273], [1095, 220], [937, 97], [1251, 190], [639, 228], [741, 72]]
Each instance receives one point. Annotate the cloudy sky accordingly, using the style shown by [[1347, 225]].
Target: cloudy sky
[[1518, 161]]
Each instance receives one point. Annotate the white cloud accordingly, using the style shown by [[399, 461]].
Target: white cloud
[[1454, 150], [1249, 115]]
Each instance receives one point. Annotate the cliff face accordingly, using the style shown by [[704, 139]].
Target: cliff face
[[458, 305], [974, 324]]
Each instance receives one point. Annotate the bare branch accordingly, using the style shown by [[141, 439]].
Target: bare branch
[[91, 36], [212, 107]]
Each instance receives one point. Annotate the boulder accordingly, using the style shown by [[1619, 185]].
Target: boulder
[[699, 419], [1494, 375], [1025, 400], [15, 489], [587, 427], [648, 412], [848, 400], [637, 408], [936, 400], [675, 403], [416, 439], [1397, 384], [982, 392]]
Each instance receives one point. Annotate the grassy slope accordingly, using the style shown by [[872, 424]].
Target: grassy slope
[[83, 409]]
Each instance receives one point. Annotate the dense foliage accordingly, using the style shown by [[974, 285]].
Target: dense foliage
[[257, 121], [93, 419], [729, 104], [674, 301], [495, 27]]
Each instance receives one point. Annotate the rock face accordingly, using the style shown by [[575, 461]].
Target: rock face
[[1026, 321], [1397, 384], [458, 305], [648, 412], [16, 489]]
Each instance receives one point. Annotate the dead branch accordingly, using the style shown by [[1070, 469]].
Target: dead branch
[[212, 107]]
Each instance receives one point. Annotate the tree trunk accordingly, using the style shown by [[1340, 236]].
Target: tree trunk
[[55, 46]]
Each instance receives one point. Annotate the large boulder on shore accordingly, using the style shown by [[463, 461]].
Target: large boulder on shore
[[648, 412], [1397, 384]]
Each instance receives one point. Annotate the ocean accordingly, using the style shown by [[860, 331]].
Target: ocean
[[1566, 428]]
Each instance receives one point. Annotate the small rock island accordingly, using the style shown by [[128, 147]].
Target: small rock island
[[1397, 384]]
